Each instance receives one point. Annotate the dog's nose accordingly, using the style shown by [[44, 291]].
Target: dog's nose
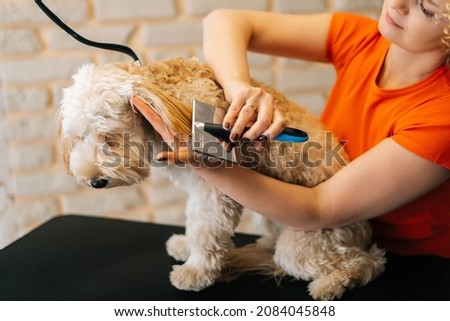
[[99, 183]]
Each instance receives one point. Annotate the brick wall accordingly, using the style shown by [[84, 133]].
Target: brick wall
[[37, 60]]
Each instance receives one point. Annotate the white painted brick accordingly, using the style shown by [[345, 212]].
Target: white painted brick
[[43, 183], [35, 212], [60, 40], [70, 11], [29, 156], [172, 214], [173, 33], [198, 53], [167, 54], [101, 202], [202, 7], [142, 214], [305, 79], [259, 60], [343, 5], [4, 147], [23, 99], [42, 69], [313, 101], [4, 198], [107, 57], [8, 227], [133, 9], [30, 128], [162, 195], [26, 11], [292, 62], [262, 75], [19, 41], [291, 6], [19, 12], [4, 164]]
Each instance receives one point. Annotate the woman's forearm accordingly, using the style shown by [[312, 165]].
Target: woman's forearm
[[225, 41], [288, 204], [381, 180]]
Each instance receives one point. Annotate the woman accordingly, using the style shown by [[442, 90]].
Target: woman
[[390, 103]]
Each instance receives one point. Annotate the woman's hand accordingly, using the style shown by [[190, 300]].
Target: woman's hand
[[180, 152], [252, 106]]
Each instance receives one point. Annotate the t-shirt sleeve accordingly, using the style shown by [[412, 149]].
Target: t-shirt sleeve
[[348, 34], [425, 131]]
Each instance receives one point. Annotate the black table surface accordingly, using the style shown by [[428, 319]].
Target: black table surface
[[85, 258]]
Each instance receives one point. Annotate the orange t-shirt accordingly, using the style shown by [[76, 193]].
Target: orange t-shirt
[[417, 117]]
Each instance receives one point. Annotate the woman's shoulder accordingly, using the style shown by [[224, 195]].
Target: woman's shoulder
[[352, 27], [348, 17], [349, 35]]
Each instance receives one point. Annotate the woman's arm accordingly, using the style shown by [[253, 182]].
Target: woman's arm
[[383, 179], [228, 34]]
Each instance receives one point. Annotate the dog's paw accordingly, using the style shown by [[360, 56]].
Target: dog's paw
[[329, 287], [189, 278], [177, 247]]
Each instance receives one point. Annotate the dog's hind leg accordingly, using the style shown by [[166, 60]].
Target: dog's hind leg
[[354, 267], [211, 220], [334, 260]]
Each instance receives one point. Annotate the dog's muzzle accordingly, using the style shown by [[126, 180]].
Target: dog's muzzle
[[99, 183]]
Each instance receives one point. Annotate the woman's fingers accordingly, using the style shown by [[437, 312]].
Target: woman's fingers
[[250, 106], [179, 156], [233, 113], [264, 113], [277, 125], [258, 119]]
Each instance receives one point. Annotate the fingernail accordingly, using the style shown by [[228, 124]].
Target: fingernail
[[230, 147], [161, 159], [262, 138], [226, 126], [246, 141], [235, 137]]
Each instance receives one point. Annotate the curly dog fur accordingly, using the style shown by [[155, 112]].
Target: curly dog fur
[[106, 144]]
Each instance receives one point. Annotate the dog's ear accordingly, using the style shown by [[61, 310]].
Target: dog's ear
[[175, 114], [66, 146]]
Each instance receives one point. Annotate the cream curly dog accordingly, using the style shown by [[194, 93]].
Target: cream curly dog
[[106, 143]]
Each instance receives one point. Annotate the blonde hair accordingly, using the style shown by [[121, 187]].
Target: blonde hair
[[446, 37]]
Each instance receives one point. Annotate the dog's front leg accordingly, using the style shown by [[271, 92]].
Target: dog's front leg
[[211, 220]]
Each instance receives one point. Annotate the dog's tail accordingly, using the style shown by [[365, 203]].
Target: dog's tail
[[252, 258]]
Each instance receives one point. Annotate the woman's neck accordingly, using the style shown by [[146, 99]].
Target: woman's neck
[[402, 68]]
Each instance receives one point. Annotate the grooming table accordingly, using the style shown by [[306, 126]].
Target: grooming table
[[83, 258]]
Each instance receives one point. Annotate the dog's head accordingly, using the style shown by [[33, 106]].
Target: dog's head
[[102, 138]]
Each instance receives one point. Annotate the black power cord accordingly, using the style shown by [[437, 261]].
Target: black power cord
[[70, 31]]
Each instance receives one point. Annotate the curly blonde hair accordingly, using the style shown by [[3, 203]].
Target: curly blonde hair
[[445, 14], [446, 37]]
